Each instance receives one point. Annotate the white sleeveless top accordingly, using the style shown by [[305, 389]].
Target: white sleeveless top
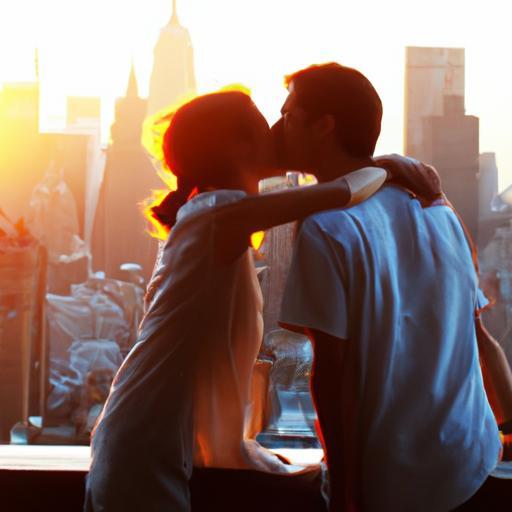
[[181, 395]]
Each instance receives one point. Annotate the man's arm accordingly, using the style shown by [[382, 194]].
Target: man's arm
[[315, 303], [496, 373], [328, 386]]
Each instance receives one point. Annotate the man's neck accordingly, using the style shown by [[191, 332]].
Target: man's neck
[[339, 165]]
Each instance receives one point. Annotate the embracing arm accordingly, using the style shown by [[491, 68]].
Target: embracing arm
[[258, 213]]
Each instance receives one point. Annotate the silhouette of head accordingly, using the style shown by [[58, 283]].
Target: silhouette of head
[[216, 141], [327, 105]]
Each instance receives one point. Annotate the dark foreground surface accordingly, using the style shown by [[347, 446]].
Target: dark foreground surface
[[212, 490], [52, 478]]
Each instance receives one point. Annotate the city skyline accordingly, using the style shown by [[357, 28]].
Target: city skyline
[[256, 44]]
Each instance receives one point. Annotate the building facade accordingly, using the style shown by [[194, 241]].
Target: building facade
[[173, 74], [437, 129]]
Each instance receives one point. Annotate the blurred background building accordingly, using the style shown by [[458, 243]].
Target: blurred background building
[[173, 75], [82, 201], [437, 129], [120, 230]]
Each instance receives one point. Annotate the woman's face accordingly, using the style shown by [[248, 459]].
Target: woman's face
[[236, 146], [257, 154]]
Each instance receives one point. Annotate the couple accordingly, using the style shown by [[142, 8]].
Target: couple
[[385, 288]]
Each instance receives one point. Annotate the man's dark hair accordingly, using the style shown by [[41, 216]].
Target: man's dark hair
[[348, 96]]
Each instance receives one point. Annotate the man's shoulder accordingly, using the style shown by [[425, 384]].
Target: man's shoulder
[[325, 222], [380, 203], [388, 195], [391, 209]]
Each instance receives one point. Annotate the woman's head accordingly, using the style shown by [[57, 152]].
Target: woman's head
[[216, 141], [219, 140]]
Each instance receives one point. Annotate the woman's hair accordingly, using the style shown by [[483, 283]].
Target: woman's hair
[[195, 146], [348, 96]]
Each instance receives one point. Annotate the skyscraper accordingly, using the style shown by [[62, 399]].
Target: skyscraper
[[430, 75], [488, 183], [120, 230], [438, 131], [83, 112], [173, 74], [25, 153], [22, 161]]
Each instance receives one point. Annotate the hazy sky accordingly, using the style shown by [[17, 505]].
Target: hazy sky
[[86, 47]]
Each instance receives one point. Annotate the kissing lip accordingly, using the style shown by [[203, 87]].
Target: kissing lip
[[279, 146]]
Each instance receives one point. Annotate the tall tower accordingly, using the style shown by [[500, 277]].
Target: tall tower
[[437, 129], [488, 183], [119, 229], [173, 74], [22, 157], [430, 75]]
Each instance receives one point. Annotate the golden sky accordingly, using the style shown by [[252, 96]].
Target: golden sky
[[86, 47]]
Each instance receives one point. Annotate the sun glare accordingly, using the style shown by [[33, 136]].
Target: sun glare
[[85, 49]]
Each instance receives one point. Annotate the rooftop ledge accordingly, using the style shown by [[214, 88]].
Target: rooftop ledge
[[77, 458]]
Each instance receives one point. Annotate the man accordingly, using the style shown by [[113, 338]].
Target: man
[[387, 292]]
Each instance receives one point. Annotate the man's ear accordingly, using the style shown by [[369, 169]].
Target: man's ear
[[324, 125]]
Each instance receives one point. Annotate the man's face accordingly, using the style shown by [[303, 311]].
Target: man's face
[[293, 136]]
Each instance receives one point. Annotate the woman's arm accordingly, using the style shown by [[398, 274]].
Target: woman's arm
[[235, 222], [258, 213]]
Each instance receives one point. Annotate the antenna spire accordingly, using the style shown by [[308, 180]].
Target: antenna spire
[[174, 16], [36, 63]]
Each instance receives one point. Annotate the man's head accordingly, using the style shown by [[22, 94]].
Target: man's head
[[219, 140], [329, 107]]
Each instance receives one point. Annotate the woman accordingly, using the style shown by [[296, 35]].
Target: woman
[[180, 396]]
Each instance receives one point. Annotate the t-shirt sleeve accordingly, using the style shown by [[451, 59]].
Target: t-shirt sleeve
[[315, 295], [482, 302]]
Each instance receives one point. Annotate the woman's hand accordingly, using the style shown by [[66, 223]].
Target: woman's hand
[[421, 179]]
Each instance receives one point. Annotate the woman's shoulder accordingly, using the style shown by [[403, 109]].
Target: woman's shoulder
[[207, 201]]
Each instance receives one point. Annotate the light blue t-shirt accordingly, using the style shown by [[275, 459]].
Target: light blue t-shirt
[[398, 281]]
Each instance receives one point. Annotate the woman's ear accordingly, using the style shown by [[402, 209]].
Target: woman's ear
[[243, 151], [324, 125]]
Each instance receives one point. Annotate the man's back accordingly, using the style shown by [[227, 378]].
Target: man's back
[[398, 282]]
